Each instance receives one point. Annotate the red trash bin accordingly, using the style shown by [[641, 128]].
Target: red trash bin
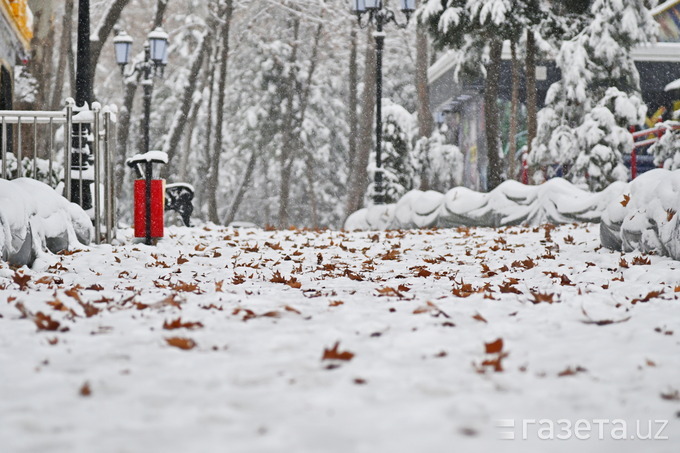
[[149, 196], [157, 208]]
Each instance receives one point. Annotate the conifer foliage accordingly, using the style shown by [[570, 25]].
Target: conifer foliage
[[583, 128]]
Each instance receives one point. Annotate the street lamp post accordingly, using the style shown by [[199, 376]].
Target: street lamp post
[[379, 15], [155, 59], [78, 189]]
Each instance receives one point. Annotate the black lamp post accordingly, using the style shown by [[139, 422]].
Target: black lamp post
[[78, 190], [380, 15], [155, 59]]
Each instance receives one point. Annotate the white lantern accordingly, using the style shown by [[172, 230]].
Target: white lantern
[[408, 6], [158, 42], [373, 4], [122, 45], [358, 6]]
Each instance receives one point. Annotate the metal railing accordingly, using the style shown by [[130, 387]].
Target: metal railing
[[39, 129]]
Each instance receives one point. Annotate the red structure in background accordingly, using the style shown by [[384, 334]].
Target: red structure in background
[[157, 208]]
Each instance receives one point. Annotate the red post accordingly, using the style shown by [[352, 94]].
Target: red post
[[633, 155], [633, 164]]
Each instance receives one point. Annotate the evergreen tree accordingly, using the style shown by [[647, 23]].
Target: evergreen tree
[[598, 73], [398, 170], [666, 151]]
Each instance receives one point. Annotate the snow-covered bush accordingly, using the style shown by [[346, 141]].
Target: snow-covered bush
[[666, 151], [602, 140], [511, 203], [34, 218], [441, 164], [398, 127], [42, 167], [644, 217]]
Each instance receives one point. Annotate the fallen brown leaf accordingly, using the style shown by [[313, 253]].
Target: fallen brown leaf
[[494, 347], [181, 343], [178, 324], [334, 354]]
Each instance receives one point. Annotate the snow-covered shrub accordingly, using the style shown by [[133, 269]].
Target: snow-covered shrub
[[666, 151], [34, 218], [42, 167], [441, 164], [511, 203], [602, 141], [644, 217]]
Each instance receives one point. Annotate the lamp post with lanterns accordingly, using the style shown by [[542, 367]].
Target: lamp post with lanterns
[[378, 14], [155, 60]]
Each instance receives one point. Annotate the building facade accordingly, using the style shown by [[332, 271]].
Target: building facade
[[16, 22]]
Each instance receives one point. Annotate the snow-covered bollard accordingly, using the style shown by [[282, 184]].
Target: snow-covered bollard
[[149, 196]]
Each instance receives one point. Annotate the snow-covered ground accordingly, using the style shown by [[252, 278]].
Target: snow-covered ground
[[92, 358]]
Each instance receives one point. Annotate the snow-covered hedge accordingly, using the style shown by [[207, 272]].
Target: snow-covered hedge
[[639, 215], [644, 216], [34, 218], [511, 203]]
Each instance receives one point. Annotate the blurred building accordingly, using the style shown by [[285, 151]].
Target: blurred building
[[16, 25]]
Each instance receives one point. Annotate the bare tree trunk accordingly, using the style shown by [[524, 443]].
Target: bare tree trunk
[[284, 183], [123, 133], [183, 171], [102, 32], [495, 169], [292, 129], [213, 177], [71, 57], [312, 192], [64, 44], [425, 120], [40, 64], [243, 186], [513, 111], [210, 120], [353, 98], [161, 6], [532, 107], [179, 121], [358, 182]]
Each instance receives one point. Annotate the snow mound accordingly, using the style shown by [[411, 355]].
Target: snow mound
[[34, 219], [512, 203], [644, 217]]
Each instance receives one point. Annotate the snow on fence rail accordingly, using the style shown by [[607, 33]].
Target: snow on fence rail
[[30, 142]]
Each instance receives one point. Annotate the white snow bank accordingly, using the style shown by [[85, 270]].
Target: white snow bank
[[644, 216], [34, 218], [512, 203]]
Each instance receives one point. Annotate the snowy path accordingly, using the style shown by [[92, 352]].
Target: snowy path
[[587, 334]]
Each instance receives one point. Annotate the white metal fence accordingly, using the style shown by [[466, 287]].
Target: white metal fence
[[40, 145]]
